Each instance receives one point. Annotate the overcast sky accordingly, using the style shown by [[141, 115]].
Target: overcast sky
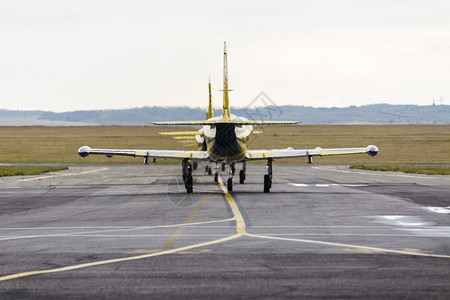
[[80, 55]]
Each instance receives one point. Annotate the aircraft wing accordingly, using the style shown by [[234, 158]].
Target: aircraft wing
[[213, 122], [293, 153], [173, 154]]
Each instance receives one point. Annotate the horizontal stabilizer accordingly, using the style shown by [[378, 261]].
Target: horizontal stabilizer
[[187, 138]]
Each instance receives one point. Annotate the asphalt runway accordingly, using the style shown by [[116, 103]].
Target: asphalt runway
[[131, 231]]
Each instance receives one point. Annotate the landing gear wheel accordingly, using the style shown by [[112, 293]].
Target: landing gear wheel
[[209, 170], [216, 177], [241, 176], [189, 184], [267, 183], [195, 165], [230, 184], [223, 167]]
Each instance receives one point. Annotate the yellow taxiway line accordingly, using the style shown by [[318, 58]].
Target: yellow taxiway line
[[117, 260], [240, 222], [144, 256], [240, 231], [191, 216]]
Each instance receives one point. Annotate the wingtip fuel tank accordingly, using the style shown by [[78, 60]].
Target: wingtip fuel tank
[[372, 150], [84, 151]]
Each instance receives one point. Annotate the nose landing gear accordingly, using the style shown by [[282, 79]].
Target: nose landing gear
[[230, 169]]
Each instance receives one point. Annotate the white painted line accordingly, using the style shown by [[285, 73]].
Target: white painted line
[[320, 226], [299, 184], [327, 185], [225, 235], [136, 235], [403, 221], [122, 227], [68, 228], [439, 210], [344, 245], [113, 230], [382, 174], [345, 234], [63, 175]]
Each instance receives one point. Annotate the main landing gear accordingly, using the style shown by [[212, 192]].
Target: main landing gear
[[268, 177], [242, 172], [208, 168], [186, 167]]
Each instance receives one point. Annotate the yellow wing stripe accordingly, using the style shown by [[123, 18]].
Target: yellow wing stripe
[[181, 133]]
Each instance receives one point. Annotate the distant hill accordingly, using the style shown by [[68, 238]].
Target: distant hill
[[367, 114]]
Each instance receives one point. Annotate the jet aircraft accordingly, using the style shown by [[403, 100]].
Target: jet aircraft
[[224, 142]]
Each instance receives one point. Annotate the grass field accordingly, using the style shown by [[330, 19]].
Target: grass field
[[398, 144], [28, 170]]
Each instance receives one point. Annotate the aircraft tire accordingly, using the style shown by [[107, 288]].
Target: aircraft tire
[[216, 177], [267, 183], [241, 176], [189, 184], [230, 184]]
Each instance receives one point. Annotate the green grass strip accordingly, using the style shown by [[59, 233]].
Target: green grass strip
[[28, 170], [427, 170]]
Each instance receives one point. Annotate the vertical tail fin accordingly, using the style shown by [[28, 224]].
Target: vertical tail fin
[[226, 106], [210, 113]]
